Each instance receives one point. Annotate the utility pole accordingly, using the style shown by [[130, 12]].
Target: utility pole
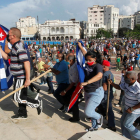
[[38, 29], [113, 25]]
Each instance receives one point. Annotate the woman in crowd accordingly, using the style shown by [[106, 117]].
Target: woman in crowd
[[94, 92]]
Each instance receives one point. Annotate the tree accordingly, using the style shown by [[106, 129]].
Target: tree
[[137, 27], [101, 32], [123, 31]]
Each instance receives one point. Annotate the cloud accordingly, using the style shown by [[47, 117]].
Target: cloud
[[14, 11], [58, 9], [52, 13], [130, 7], [69, 13]]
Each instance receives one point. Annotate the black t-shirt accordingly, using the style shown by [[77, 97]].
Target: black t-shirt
[[91, 71]]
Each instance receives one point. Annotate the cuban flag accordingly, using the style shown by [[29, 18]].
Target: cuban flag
[[6, 78], [80, 66]]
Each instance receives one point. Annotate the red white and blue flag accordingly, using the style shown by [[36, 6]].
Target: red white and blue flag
[[6, 78], [80, 66]]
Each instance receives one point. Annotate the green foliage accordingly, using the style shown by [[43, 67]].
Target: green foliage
[[134, 34], [101, 32], [123, 31]]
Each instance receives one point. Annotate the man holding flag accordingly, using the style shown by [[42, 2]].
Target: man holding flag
[[20, 68], [6, 78]]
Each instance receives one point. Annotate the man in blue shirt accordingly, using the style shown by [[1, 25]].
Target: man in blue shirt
[[60, 69], [137, 57]]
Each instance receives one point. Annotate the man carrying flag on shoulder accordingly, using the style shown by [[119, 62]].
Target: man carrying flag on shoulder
[[20, 68]]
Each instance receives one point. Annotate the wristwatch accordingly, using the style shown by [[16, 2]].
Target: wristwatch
[[87, 82], [132, 109], [65, 91]]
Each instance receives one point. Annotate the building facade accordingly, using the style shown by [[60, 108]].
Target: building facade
[[96, 14], [28, 27], [137, 17], [127, 21], [60, 30], [107, 16], [89, 29]]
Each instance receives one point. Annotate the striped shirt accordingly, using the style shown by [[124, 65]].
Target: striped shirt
[[18, 55], [132, 95]]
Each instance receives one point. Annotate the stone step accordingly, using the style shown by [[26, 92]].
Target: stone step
[[105, 134]]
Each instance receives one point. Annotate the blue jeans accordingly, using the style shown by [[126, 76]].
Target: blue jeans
[[127, 128], [42, 78], [92, 100], [136, 63], [61, 87], [49, 82]]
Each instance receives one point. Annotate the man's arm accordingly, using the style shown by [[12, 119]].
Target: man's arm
[[82, 49], [4, 55], [27, 71], [114, 85], [105, 86], [67, 89], [56, 72]]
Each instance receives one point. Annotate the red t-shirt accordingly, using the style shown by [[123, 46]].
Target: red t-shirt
[[130, 69]]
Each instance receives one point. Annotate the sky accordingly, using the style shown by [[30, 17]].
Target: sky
[[12, 10]]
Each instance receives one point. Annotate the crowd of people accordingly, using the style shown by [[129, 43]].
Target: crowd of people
[[30, 61]]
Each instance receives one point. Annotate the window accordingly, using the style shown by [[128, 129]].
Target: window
[[95, 15], [101, 11], [95, 11], [95, 18], [101, 7], [90, 8], [100, 18], [90, 19]]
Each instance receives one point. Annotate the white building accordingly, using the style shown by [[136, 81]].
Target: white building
[[127, 21], [105, 15], [60, 30], [28, 27], [90, 29], [137, 17], [111, 17], [96, 14]]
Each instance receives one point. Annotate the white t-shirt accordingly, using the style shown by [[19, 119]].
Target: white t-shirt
[[55, 48]]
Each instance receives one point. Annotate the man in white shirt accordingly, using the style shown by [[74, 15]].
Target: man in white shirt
[[132, 105]]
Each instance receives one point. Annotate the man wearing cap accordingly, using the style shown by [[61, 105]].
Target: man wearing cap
[[111, 120]]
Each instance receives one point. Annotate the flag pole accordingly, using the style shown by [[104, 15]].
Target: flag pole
[[23, 86], [108, 98]]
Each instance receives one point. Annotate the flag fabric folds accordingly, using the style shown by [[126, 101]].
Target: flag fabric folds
[[6, 78], [80, 62], [80, 66]]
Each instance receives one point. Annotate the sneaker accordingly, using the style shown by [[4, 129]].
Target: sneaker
[[100, 121], [91, 129], [112, 128], [65, 109], [41, 83], [38, 90], [74, 120], [117, 105], [19, 117], [40, 108], [88, 119]]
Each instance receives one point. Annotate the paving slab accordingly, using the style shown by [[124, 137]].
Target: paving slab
[[105, 134]]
